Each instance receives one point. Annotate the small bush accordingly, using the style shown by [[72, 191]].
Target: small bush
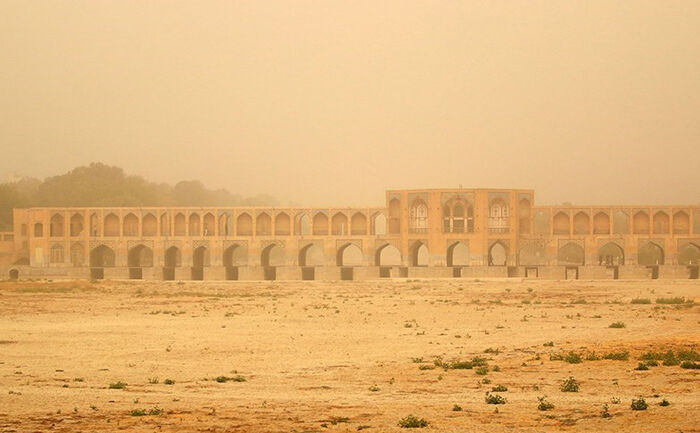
[[499, 388], [426, 367], [143, 412], [573, 358], [374, 388], [169, 382], [639, 404], [641, 367], [664, 403], [482, 371], [690, 365], [544, 404], [592, 357], [456, 408], [579, 301], [412, 422], [153, 380], [569, 385], [688, 355], [673, 301], [495, 399], [617, 356], [117, 385], [606, 411], [617, 325], [549, 344], [640, 301], [224, 379]]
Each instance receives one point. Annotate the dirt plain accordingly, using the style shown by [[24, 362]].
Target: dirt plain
[[342, 356]]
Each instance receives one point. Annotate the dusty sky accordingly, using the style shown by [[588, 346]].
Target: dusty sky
[[332, 102]]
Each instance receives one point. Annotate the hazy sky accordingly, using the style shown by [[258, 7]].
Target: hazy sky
[[332, 102]]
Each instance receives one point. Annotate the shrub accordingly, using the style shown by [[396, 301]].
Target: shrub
[[639, 404], [426, 367], [456, 408], [690, 365], [641, 367], [617, 356], [412, 422], [688, 355], [676, 300], [579, 301], [569, 385], [617, 325], [153, 380], [143, 412], [499, 388], [664, 402], [117, 385], [544, 404], [640, 301], [606, 412], [482, 371], [592, 357], [224, 379], [549, 344], [495, 399], [374, 388], [573, 358], [169, 382]]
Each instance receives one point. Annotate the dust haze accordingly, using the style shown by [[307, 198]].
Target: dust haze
[[328, 103]]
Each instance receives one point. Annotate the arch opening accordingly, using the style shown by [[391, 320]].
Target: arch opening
[[56, 226], [611, 254], [458, 255], [150, 225], [76, 225], [497, 254], [244, 225], [282, 224], [419, 254], [349, 255], [571, 254], [650, 254], [689, 255], [131, 225]]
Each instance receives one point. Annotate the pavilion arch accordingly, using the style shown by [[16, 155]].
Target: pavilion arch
[[418, 216], [165, 224], [379, 224], [180, 224], [457, 216], [689, 254], [621, 222], [302, 225], [394, 216], [498, 254], [458, 254], [358, 224], [102, 257], [235, 255], [131, 225], [582, 224], [140, 256], [77, 223], [561, 224], [38, 230], [601, 224], [224, 220], [640, 223], [388, 255], [149, 225], [195, 225], [200, 257], [349, 255], [650, 254], [77, 254], [111, 225], [662, 223], [56, 226], [571, 254], [209, 224], [311, 255], [339, 224], [56, 254], [282, 224], [244, 225], [525, 215], [273, 255], [611, 254], [681, 223], [94, 224], [14, 274], [419, 254], [499, 216], [173, 257], [263, 225], [320, 224]]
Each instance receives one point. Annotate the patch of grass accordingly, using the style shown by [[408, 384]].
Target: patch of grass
[[690, 365], [374, 388], [426, 367], [572, 358], [617, 356], [169, 382], [641, 367], [495, 399], [482, 371], [224, 379], [640, 301], [674, 301], [338, 419], [143, 412], [499, 388], [606, 411], [492, 351], [153, 380], [78, 379], [688, 355], [118, 385], [592, 357], [569, 385], [543, 404], [417, 360], [456, 408], [412, 422], [549, 344], [664, 403], [617, 325], [639, 404]]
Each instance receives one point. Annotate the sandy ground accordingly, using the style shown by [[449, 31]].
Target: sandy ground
[[340, 356]]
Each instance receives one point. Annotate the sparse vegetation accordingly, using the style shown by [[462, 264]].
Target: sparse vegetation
[[143, 412], [640, 301], [543, 404], [412, 422], [169, 382], [674, 301], [118, 385], [495, 399], [639, 404], [456, 408], [617, 325], [224, 379], [664, 403], [617, 356], [569, 385], [499, 388]]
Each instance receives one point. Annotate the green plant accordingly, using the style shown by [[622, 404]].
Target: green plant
[[640, 301], [572, 358], [117, 385], [664, 402], [495, 399], [374, 388], [690, 365], [569, 385], [412, 422], [169, 382], [456, 408], [674, 301], [544, 404], [143, 412], [224, 379], [549, 344], [641, 367], [606, 411], [617, 325], [617, 356], [153, 380], [482, 371], [639, 404], [499, 388]]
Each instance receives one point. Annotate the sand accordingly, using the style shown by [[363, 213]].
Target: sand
[[341, 356]]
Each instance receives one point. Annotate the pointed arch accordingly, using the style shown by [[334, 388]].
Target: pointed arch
[[640, 223], [263, 224], [420, 255], [582, 225], [349, 255], [272, 255], [379, 224], [173, 257], [149, 225], [601, 224], [56, 254], [131, 225], [102, 257], [689, 254], [681, 223], [56, 226], [77, 223], [244, 225], [209, 224], [311, 255], [303, 225], [498, 254], [195, 228], [394, 216], [621, 223], [235, 255], [358, 224], [499, 216], [388, 255], [140, 256], [77, 254], [611, 254], [339, 224], [224, 219], [180, 224], [282, 224], [320, 224], [650, 254], [418, 217], [165, 224], [200, 257], [662, 223], [458, 254], [94, 225], [561, 224], [111, 225], [571, 254]]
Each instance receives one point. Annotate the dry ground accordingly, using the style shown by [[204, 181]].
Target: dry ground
[[340, 356]]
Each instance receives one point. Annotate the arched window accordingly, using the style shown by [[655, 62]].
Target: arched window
[[282, 223], [499, 217], [581, 224], [662, 223], [263, 225], [681, 223], [244, 225], [209, 224], [150, 225], [76, 224], [418, 217], [180, 225], [358, 224], [320, 224], [561, 224], [57, 254], [131, 225], [457, 217], [195, 228], [379, 224], [56, 226], [601, 224], [640, 223], [111, 226], [303, 225], [339, 224], [165, 225]]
